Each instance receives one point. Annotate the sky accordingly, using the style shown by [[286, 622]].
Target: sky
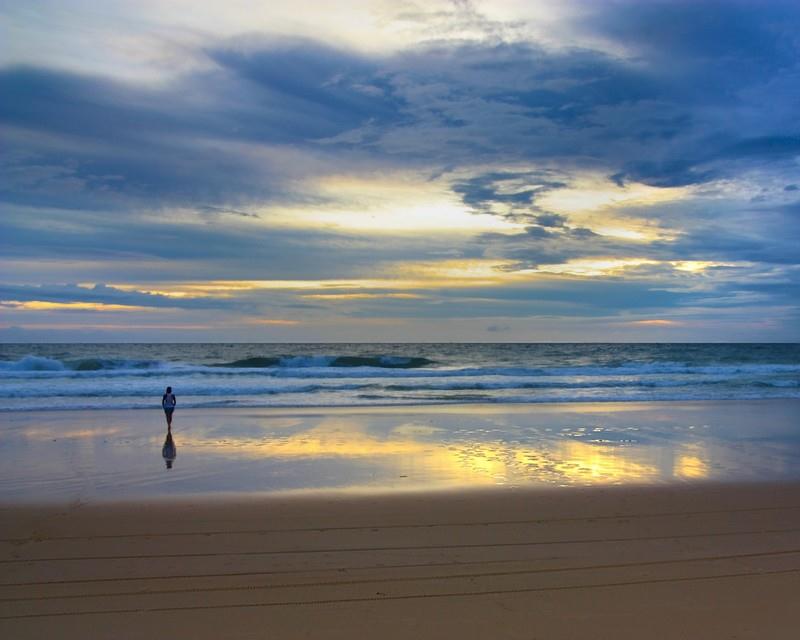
[[399, 171]]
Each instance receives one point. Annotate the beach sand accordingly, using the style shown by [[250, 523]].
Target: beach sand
[[90, 456], [676, 561]]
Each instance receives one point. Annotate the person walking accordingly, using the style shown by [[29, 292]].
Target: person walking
[[168, 402]]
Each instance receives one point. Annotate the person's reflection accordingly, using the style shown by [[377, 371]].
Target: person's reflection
[[169, 452]]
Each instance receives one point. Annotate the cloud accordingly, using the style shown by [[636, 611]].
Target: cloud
[[213, 135], [100, 294], [197, 175], [684, 32], [507, 193], [302, 91], [498, 328]]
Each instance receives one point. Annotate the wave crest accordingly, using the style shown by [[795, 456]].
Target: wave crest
[[40, 363], [303, 362]]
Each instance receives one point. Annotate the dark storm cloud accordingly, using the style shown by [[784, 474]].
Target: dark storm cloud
[[181, 144], [305, 91], [730, 69], [712, 92], [516, 191], [765, 146], [95, 168], [707, 88], [248, 302], [766, 234], [550, 220], [742, 35], [102, 294], [519, 100], [550, 243], [108, 142]]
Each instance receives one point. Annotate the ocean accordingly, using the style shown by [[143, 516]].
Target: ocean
[[133, 376]]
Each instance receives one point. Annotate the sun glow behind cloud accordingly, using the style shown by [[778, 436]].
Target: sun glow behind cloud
[[603, 207], [591, 193], [367, 161], [594, 267], [396, 204], [421, 276], [42, 305], [658, 322], [464, 463], [344, 297]]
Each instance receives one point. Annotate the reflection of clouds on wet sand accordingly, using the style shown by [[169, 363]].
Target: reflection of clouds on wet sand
[[120, 453], [691, 462], [53, 433], [420, 450]]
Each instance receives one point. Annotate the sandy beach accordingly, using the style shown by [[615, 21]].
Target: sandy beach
[[110, 455], [369, 320], [601, 520], [712, 561]]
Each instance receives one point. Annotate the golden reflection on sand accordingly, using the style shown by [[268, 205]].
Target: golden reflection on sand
[[691, 463], [590, 462], [405, 448], [336, 437]]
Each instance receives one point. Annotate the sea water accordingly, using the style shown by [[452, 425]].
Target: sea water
[[353, 416], [133, 376]]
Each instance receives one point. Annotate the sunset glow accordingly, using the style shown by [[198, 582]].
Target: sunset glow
[[270, 173]]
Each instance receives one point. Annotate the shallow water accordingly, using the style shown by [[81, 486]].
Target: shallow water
[[68, 456]]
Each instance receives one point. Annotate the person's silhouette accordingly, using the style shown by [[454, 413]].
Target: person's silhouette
[[169, 451], [168, 402]]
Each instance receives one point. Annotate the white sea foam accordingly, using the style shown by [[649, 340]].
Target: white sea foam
[[130, 377]]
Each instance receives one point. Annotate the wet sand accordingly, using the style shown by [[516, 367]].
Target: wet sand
[[64, 456], [675, 561]]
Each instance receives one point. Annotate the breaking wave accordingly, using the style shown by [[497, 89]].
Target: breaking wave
[[301, 362], [39, 363], [248, 375]]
